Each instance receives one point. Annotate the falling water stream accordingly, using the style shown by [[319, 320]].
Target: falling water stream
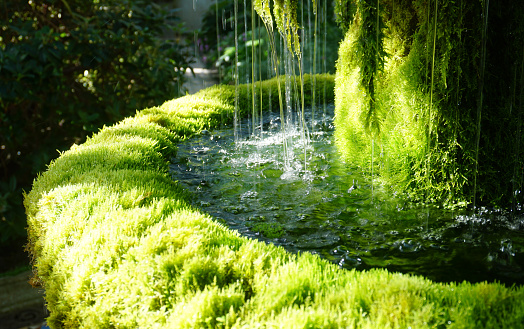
[[280, 180], [330, 208]]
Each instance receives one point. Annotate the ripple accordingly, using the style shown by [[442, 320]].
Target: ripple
[[314, 202]]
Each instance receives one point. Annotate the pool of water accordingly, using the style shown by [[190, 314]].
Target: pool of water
[[312, 201]]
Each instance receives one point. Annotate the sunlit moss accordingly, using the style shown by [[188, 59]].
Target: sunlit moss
[[402, 148], [116, 245], [443, 126]]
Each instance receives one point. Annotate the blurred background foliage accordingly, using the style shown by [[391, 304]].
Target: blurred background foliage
[[215, 41], [67, 67]]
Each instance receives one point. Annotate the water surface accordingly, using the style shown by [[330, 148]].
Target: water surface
[[312, 201]]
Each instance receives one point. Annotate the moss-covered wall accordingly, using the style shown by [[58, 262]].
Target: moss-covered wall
[[116, 245], [442, 116]]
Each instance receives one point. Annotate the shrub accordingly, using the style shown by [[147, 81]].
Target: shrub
[[68, 67]]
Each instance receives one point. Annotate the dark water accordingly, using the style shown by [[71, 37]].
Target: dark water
[[314, 202]]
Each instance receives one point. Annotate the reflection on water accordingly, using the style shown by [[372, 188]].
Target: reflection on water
[[319, 204]]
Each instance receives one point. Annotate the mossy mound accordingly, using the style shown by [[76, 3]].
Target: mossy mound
[[432, 98], [116, 245]]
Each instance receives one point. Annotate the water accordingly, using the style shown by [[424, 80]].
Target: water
[[330, 208]]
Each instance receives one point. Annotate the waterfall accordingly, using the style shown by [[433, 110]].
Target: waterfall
[[263, 10], [485, 7], [259, 70], [253, 73], [314, 69], [293, 38], [324, 54], [247, 66], [218, 37], [430, 111], [235, 123], [516, 166]]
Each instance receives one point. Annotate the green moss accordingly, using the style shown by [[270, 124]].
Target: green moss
[[269, 230], [116, 245], [398, 152], [127, 128], [421, 131]]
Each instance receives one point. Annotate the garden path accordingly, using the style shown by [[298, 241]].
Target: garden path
[[202, 78]]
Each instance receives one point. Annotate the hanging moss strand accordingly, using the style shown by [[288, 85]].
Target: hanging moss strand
[[480, 96], [345, 12], [370, 47]]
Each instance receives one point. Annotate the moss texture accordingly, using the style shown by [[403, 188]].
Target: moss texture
[[442, 114], [116, 245]]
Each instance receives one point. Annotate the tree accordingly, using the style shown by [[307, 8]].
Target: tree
[[67, 67]]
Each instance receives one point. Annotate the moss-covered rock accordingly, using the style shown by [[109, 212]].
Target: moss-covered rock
[[396, 143], [441, 119], [116, 245]]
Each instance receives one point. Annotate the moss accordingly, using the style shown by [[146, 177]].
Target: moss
[[436, 118], [115, 244], [269, 230]]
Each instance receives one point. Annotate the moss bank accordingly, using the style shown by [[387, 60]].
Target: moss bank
[[116, 245], [436, 98]]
